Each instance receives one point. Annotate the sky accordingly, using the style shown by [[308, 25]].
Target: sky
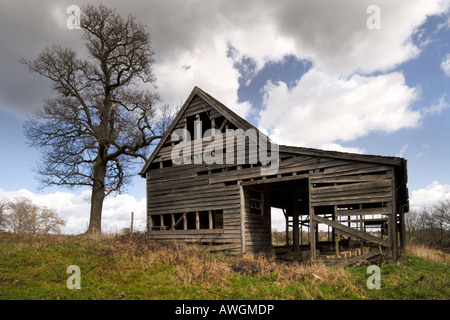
[[362, 76]]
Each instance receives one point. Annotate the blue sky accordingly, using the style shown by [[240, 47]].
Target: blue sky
[[308, 73]]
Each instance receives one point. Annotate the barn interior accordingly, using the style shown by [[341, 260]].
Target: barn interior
[[331, 245]]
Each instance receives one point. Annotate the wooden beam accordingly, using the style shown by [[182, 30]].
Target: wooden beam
[[174, 225], [335, 236], [354, 186], [295, 225], [242, 197], [347, 231], [197, 220], [312, 226], [210, 219], [393, 219], [362, 212]]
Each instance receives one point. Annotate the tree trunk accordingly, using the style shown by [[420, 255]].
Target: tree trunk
[[97, 197]]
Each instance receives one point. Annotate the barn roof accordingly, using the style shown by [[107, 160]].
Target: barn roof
[[239, 122]]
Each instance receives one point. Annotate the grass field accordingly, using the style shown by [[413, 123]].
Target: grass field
[[115, 267]]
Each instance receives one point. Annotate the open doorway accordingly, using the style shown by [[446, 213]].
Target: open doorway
[[289, 200]]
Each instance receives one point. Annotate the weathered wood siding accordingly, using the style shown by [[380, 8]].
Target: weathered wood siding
[[351, 185]]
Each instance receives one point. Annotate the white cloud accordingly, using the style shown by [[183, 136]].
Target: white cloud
[[322, 109], [75, 208], [445, 65], [208, 68], [436, 108], [332, 35], [429, 195]]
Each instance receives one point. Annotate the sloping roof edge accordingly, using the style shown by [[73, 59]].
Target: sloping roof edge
[[240, 122]]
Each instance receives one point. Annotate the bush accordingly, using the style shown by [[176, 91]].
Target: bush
[[22, 216]]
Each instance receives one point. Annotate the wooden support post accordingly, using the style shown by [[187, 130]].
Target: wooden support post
[[301, 230], [210, 220], [197, 220], [393, 219], [295, 224], [361, 227], [149, 223], [286, 218], [242, 197], [184, 221], [402, 228], [312, 226], [335, 235]]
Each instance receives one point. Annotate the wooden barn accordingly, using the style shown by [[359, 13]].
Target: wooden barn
[[337, 206]]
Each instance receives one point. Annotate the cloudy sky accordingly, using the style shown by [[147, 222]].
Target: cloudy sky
[[352, 75]]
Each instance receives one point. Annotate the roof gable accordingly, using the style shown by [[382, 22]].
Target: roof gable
[[198, 102]]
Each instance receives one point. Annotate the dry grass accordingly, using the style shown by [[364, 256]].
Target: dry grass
[[428, 253], [121, 267], [191, 265]]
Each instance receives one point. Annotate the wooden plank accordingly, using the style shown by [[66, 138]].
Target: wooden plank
[[393, 220], [358, 197], [242, 203], [352, 171], [188, 232], [351, 178], [344, 230], [348, 193], [342, 155], [352, 186], [368, 211], [349, 201], [354, 260]]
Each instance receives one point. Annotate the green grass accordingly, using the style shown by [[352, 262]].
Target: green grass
[[113, 267]]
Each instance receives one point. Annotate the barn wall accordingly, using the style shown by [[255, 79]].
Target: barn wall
[[178, 190]]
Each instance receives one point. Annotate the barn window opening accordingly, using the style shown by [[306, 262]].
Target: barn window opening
[[191, 220], [178, 221], [256, 202], [167, 163], [206, 123], [154, 166], [167, 221], [156, 222], [203, 217], [217, 219]]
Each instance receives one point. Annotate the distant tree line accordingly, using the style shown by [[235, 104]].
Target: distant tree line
[[429, 226], [21, 215]]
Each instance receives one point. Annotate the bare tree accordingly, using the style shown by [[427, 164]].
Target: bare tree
[[430, 226], [19, 215], [23, 216], [3, 221], [99, 120], [439, 223], [49, 222]]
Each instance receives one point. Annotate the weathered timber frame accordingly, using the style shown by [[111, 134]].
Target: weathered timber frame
[[228, 206]]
